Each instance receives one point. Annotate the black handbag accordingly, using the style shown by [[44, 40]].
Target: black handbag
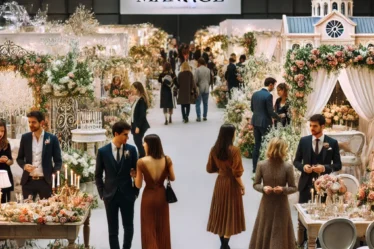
[[170, 195]]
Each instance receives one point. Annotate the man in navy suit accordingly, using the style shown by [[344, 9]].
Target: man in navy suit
[[117, 159], [36, 152], [316, 154], [263, 113]]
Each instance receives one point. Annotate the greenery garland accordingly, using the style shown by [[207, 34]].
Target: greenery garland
[[301, 62], [249, 42]]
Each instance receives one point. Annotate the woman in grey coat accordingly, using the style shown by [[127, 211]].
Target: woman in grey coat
[[187, 90]]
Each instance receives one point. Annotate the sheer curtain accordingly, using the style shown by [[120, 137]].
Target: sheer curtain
[[323, 84], [358, 86], [266, 45]]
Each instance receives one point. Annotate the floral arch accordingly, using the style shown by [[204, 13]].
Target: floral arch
[[313, 73], [30, 65]]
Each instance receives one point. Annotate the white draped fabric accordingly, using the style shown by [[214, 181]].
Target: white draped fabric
[[358, 86], [266, 45], [323, 84]]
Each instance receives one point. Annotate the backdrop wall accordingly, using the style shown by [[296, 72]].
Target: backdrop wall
[[108, 12]]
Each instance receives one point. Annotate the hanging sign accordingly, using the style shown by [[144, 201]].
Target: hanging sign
[[180, 7]]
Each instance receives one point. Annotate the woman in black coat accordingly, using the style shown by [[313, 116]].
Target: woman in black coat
[[6, 161], [281, 105], [167, 101], [139, 122]]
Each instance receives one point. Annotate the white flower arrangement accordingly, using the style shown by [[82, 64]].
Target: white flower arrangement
[[236, 107], [68, 77], [81, 163]]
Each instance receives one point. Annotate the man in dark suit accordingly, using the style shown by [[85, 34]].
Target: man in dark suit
[[117, 159], [231, 76], [263, 113], [316, 154], [36, 152]]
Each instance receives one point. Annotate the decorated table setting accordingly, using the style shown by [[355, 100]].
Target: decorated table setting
[[330, 199], [58, 217]]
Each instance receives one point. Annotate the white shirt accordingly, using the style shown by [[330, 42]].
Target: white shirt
[[320, 143], [133, 109], [114, 151], [37, 152]]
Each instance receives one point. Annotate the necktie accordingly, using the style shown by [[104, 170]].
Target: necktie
[[317, 146], [117, 154]]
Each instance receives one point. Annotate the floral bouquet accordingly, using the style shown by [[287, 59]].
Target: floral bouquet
[[365, 194], [219, 93], [340, 115], [330, 184], [81, 163]]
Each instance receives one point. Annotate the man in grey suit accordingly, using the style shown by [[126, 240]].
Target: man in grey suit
[[202, 80], [263, 112]]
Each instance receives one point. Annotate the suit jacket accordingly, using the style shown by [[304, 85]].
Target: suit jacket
[[51, 151], [203, 79], [262, 108], [330, 157], [116, 178], [140, 117], [231, 76]]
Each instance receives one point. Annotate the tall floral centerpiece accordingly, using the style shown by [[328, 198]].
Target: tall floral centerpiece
[[340, 115], [236, 107], [219, 94], [245, 139]]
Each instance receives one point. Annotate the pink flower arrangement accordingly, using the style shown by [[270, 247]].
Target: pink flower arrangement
[[339, 53], [300, 64]]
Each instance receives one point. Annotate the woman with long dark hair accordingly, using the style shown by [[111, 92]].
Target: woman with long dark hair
[[139, 122], [281, 105], [6, 161], [226, 212], [274, 180], [155, 168], [167, 102]]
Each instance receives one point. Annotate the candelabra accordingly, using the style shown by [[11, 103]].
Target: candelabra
[[66, 192]]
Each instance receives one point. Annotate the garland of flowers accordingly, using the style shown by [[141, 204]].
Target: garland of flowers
[[301, 62], [158, 39], [249, 42], [224, 39]]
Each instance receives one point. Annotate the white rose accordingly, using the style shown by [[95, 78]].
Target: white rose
[[64, 80]]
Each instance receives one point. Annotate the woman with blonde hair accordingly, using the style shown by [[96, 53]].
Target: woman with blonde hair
[[187, 90], [139, 123], [275, 180]]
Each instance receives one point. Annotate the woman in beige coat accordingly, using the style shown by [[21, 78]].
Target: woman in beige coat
[[187, 89], [275, 179]]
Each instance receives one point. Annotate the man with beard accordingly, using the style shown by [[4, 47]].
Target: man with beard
[[39, 156]]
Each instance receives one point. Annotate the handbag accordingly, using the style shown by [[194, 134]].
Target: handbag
[[170, 195]]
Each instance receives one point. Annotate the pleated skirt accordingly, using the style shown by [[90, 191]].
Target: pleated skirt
[[226, 211]]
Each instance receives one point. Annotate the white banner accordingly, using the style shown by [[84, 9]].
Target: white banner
[[180, 7]]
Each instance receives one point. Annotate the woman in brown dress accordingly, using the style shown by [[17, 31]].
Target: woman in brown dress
[[155, 168], [275, 179], [226, 212]]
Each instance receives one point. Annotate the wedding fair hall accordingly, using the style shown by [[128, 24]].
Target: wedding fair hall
[[199, 124]]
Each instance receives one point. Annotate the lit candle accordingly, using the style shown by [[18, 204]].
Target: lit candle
[[72, 178], [66, 173], [58, 178], [53, 180], [78, 183]]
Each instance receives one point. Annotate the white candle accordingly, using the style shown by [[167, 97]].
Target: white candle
[[75, 179], [312, 194], [66, 173], [78, 183], [72, 178], [58, 178], [53, 180]]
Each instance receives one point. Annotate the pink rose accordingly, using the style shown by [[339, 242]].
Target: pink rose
[[300, 64], [338, 53], [371, 196], [361, 194], [301, 84], [71, 75]]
